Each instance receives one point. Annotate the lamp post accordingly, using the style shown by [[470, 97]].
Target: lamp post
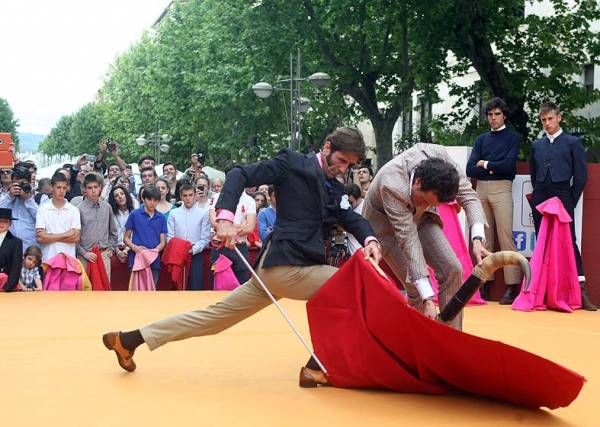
[[159, 142], [298, 103]]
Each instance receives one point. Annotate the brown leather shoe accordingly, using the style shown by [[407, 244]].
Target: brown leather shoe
[[512, 292], [112, 341], [310, 378], [586, 303]]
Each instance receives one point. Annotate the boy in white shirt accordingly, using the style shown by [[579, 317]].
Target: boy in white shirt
[[191, 223], [58, 224]]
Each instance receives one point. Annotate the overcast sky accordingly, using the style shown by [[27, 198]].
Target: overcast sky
[[55, 53]]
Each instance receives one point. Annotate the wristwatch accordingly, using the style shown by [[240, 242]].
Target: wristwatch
[[478, 238]]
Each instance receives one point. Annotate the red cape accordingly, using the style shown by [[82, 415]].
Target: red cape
[[367, 336], [177, 259], [97, 272]]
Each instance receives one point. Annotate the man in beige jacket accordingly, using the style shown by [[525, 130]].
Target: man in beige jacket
[[401, 207]]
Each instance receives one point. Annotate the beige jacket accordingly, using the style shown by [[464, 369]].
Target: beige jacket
[[389, 210]]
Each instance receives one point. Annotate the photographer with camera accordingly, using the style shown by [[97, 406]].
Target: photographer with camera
[[196, 165], [19, 198]]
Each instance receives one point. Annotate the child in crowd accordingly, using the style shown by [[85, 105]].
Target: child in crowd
[[146, 228], [31, 279]]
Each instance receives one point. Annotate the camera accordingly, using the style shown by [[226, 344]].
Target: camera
[[201, 188], [200, 157], [25, 187], [111, 145]]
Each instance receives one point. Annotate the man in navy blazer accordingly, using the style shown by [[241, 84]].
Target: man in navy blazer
[[292, 263], [559, 168]]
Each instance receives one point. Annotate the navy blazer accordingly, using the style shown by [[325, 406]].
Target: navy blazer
[[308, 206], [11, 260], [562, 160]]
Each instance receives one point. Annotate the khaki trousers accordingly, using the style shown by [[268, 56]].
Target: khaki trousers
[[105, 259], [294, 282], [440, 257], [496, 199]]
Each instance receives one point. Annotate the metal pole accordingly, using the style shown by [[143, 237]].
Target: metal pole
[[292, 123], [298, 95], [274, 301]]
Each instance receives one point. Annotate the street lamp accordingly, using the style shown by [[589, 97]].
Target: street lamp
[[159, 142], [298, 103]]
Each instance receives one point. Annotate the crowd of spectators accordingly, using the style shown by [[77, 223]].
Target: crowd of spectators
[[94, 211]]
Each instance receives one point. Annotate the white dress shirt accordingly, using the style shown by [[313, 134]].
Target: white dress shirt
[[190, 224]]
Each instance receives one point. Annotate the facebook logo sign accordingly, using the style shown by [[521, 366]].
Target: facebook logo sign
[[520, 238]]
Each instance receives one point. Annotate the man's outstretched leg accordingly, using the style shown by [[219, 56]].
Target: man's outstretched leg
[[240, 304]]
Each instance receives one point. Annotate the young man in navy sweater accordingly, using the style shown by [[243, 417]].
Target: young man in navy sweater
[[493, 162]]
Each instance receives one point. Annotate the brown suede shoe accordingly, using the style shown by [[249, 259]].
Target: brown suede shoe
[[112, 341], [309, 378]]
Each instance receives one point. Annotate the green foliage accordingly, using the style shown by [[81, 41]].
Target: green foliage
[[8, 123], [534, 59], [58, 140]]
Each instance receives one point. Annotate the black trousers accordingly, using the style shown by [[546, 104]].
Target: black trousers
[[197, 273], [238, 267], [546, 190]]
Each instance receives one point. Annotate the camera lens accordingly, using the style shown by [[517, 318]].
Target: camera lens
[[26, 187], [201, 187]]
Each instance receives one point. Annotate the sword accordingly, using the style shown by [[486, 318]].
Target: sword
[[274, 301]]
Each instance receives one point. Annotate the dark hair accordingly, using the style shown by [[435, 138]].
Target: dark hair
[[353, 190], [58, 177], [146, 158], [494, 103], [148, 168], [110, 165], [92, 177], [21, 171], [185, 187], [260, 193], [30, 164], [113, 203], [180, 182], [369, 168], [168, 164], [150, 193], [34, 251], [166, 182], [43, 182], [439, 176], [549, 107], [349, 140], [271, 189]]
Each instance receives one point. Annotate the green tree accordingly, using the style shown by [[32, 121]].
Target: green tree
[[523, 59], [58, 140], [8, 123]]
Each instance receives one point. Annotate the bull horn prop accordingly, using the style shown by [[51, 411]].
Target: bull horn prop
[[478, 277]]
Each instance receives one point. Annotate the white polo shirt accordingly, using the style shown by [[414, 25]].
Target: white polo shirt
[[245, 206], [55, 221]]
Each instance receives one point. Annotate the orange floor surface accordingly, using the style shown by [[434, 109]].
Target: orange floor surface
[[54, 370]]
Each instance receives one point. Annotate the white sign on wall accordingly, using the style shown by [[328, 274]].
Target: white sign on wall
[[523, 229]]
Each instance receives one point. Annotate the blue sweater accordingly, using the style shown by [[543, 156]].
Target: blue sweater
[[500, 149]]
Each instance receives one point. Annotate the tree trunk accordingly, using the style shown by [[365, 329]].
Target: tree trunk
[[383, 127], [473, 43]]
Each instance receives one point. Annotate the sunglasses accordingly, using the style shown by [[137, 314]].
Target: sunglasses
[[6, 171]]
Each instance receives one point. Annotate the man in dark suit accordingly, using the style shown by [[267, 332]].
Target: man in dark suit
[[11, 251], [292, 263], [557, 159]]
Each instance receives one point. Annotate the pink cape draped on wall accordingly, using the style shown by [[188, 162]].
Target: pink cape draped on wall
[[452, 230], [554, 279], [367, 336]]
